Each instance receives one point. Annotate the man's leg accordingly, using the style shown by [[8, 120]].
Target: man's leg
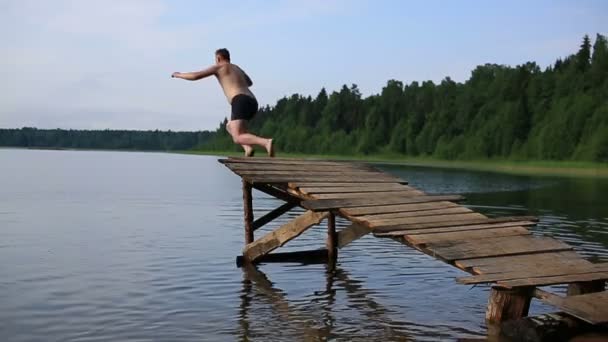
[[230, 128], [243, 137]]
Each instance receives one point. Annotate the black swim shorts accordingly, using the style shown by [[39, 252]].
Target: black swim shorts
[[244, 107]]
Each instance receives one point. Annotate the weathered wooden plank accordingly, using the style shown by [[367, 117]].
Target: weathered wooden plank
[[281, 159], [511, 245], [466, 235], [532, 263], [319, 185], [454, 229], [366, 194], [591, 308], [552, 280], [304, 167], [531, 272], [329, 204], [274, 161], [405, 228], [306, 173], [282, 235], [351, 233], [451, 219], [399, 208], [494, 269], [431, 212], [381, 187], [548, 297], [518, 259], [347, 179]]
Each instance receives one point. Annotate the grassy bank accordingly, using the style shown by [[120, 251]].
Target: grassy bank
[[540, 168]]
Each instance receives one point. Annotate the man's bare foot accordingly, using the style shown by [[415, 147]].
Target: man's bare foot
[[249, 151], [270, 148]]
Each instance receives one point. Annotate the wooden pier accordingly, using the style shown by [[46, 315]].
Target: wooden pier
[[499, 251]]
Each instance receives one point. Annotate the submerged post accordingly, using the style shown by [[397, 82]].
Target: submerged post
[[248, 211], [508, 304], [332, 241]]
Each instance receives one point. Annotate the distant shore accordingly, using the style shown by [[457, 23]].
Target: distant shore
[[539, 168]]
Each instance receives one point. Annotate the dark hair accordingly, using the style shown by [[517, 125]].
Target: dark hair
[[224, 53]]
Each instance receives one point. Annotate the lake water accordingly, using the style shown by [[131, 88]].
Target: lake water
[[112, 246]]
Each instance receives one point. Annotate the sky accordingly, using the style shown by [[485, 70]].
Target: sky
[[106, 64]]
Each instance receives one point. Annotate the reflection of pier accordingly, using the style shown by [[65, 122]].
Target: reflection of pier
[[255, 282], [499, 251]]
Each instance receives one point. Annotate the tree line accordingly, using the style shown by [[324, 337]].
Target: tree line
[[103, 139], [521, 112]]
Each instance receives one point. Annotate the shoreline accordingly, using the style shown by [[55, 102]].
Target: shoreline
[[537, 168]]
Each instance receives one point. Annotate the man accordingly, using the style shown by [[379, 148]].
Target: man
[[235, 83]]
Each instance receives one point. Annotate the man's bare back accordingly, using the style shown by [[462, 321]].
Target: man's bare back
[[233, 80]]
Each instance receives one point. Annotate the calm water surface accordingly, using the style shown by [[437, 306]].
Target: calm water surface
[[110, 246]]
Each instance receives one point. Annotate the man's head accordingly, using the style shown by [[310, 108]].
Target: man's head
[[222, 55]]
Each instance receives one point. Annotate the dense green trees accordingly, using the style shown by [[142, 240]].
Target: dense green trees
[[522, 112]]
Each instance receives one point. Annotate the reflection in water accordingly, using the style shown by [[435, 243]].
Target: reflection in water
[[257, 286], [265, 310]]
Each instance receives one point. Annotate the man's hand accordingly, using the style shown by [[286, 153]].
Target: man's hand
[[175, 75]]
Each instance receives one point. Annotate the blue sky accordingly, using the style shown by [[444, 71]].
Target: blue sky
[[96, 64]]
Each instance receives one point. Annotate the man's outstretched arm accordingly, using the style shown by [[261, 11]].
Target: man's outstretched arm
[[196, 75]]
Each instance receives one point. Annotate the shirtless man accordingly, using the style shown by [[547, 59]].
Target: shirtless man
[[235, 83]]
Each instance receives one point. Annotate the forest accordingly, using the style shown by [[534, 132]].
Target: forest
[[501, 112], [103, 139]]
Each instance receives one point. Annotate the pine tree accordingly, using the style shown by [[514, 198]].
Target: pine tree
[[583, 56]]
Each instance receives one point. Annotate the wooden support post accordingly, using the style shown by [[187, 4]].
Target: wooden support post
[[583, 287], [248, 212], [332, 241], [508, 304]]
